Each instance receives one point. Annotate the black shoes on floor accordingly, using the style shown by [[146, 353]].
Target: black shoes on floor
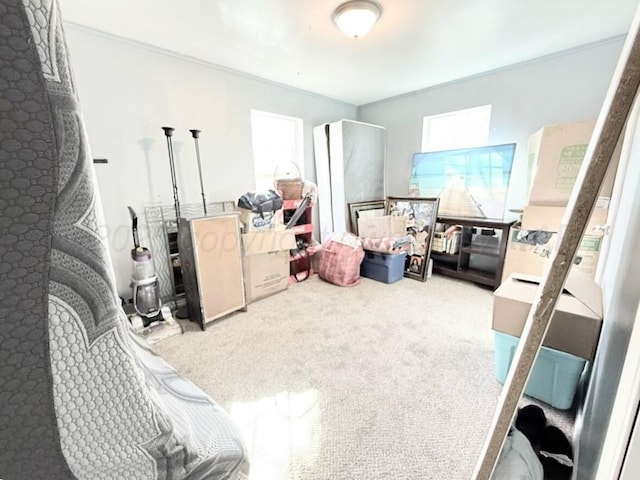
[[550, 443]]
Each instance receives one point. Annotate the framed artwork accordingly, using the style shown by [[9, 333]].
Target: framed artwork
[[470, 182], [374, 208], [421, 213]]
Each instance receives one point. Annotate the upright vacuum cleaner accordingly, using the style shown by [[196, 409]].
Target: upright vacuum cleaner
[[144, 282]]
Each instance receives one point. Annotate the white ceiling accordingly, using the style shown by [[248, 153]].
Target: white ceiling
[[416, 43]]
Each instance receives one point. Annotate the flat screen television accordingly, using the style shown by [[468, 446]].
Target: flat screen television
[[470, 182]]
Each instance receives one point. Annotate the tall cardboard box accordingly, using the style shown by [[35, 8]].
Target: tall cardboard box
[[266, 262], [576, 322], [529, 252], [549, 219], [555, 155]]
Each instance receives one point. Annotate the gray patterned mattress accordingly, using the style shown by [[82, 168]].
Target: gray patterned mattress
[[81, 395]]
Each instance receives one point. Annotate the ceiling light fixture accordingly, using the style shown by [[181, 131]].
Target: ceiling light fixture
[[356, 18]]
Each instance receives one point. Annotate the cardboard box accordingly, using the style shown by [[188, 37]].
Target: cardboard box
[[530, 254], [549, 219], [576, 322], [266, 262], [256, 222], [555, 155], [382, 227]]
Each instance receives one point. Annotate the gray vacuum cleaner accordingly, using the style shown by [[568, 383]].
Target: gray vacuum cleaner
[[144, 282]]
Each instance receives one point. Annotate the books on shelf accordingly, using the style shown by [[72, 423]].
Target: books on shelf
[[453, 243], [446, 243], [438, 243]]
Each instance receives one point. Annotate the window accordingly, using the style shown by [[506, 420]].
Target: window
[[459, 129], [276, 140]]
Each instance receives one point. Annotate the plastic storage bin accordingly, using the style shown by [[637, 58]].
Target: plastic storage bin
[[555, 375], [383, 267]]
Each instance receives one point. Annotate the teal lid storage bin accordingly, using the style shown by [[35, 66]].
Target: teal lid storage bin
[[555, 375]]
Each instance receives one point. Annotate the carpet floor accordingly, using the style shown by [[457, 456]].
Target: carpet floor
[[374, 381]]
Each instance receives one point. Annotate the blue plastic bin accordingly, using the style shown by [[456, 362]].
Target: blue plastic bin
[[555, 375], [383, 267]]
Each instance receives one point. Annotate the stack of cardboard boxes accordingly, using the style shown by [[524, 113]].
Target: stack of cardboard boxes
[[266, 246], [569, 344], [555, 155]]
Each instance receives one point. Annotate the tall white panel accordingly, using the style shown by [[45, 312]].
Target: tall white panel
[[350, 159]]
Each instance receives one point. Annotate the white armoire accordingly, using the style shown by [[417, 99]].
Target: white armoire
[[350, 168]]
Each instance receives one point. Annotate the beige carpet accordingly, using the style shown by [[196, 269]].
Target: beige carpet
[[371, 382]]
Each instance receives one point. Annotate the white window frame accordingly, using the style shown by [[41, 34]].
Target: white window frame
[[465, 128], [264, 174]]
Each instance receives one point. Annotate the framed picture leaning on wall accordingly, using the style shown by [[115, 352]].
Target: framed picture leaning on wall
[[421, 214], [374, 208]]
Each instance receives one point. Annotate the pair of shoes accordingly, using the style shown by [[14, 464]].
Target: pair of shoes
[[531, 421], [555, 454], [549, 442]]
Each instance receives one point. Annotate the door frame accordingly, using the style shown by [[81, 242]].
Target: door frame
[[618, 447], [622, 424], [627, 139]]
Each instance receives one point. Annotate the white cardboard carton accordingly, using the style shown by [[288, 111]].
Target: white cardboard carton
[[382, 227], [576, 322], [266, 262], [555, 154]]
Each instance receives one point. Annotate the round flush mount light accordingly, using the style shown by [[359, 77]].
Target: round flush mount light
[[356, 18]]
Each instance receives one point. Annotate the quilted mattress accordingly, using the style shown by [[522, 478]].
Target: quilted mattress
[[82, 396]]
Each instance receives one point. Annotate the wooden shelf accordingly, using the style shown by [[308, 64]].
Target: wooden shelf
[[461, 265], [301, 231], [444, 255], [479, 250], [310, 250], [292, 204], [475, 222], [476, 276]]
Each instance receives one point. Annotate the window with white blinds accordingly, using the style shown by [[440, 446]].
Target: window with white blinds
[[277, 140], [459, 129]]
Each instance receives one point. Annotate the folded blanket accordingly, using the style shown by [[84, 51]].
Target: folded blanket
[[517, 461], [387, 244]]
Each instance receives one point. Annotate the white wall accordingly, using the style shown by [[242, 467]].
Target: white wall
[[561, 88], [128, 91]]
